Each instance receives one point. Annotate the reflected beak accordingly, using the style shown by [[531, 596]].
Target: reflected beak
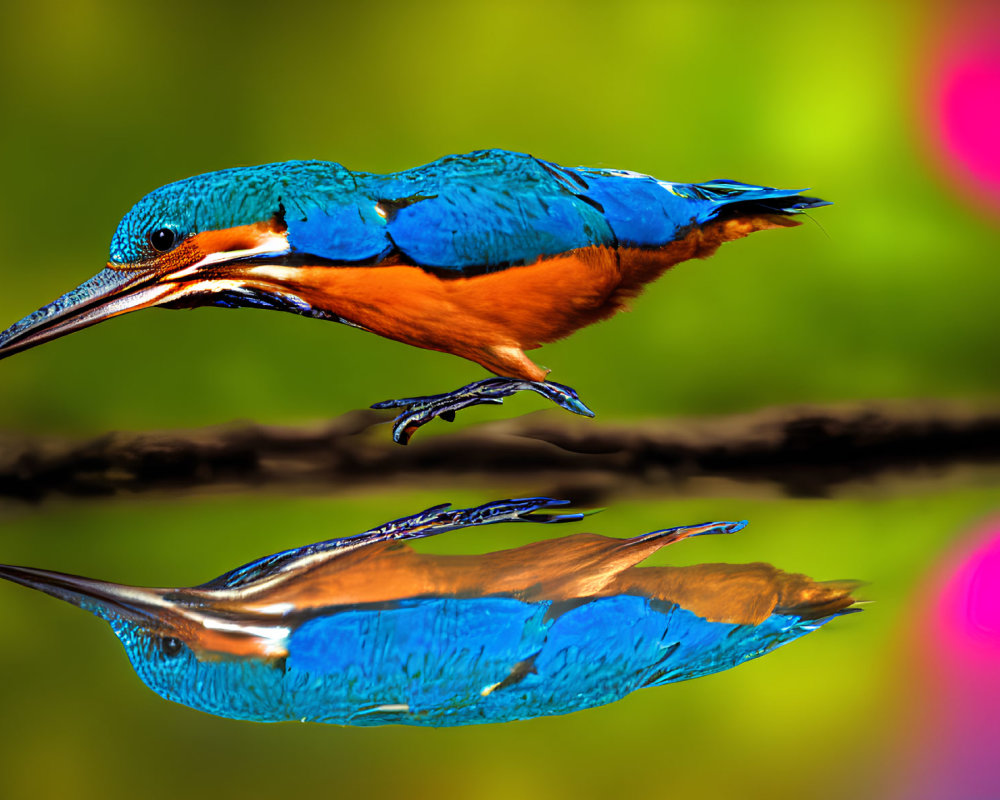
[[103, 599], [191, 618], [109, 293]]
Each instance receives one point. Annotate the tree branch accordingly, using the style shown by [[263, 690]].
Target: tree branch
[[796, 451]]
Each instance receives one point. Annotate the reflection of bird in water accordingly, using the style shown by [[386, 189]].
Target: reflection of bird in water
[[483, 255], [365, 631]]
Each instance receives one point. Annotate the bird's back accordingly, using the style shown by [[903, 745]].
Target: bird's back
[[493, 209]]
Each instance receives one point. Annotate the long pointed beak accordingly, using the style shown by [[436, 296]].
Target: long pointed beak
[[105, 600], [162, 610], [109, 293], [114, 291]]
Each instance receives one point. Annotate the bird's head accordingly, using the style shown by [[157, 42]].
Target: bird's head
[[167, 620], [180, 646], [190, 243]]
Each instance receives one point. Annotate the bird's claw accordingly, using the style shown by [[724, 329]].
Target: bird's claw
[[560, 394], [519, 510], [443, 518], [418, 411]]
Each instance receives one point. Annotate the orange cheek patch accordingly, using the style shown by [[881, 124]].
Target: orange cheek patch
[[213, 645], [268, 235], [242, 237], [210, 644]]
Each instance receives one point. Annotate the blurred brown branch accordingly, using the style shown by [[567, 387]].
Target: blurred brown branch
[[797, 451]]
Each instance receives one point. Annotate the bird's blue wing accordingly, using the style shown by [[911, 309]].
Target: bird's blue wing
[[456, 661], [473, 213], [492, 209]]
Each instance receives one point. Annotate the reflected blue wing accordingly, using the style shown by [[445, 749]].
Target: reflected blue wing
[[461, 661]]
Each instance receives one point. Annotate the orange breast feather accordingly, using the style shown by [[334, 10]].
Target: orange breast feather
[[493, 318]]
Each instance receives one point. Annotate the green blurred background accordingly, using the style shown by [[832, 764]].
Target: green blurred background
[[890, 294]]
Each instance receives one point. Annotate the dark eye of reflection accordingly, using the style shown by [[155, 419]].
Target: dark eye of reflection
[[162, 239], [170, 646]]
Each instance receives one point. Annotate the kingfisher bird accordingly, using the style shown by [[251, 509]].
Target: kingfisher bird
[[483, 255], [363, 630]]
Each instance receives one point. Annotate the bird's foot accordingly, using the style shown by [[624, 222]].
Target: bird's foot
[[418, 411]]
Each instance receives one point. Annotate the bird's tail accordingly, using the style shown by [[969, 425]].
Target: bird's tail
[[721, 211], [730, 199], [811, 600]]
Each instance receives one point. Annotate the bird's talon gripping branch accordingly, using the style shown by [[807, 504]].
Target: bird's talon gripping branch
[[418, 411]]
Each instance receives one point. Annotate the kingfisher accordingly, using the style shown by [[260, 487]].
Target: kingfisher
[[363, 630], [483, 255]]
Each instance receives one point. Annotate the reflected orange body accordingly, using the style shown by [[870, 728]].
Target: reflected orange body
[[565, 572], [573, 568]]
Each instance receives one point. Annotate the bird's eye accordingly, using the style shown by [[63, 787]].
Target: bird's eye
[[162, 239], [170, 646]]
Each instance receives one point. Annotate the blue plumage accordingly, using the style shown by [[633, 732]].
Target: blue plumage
[[447, 661], [467, 213]]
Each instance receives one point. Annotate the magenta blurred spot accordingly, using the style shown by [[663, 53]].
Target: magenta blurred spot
[[950, 736], [970, 112], [965, 100], [968, 618]]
